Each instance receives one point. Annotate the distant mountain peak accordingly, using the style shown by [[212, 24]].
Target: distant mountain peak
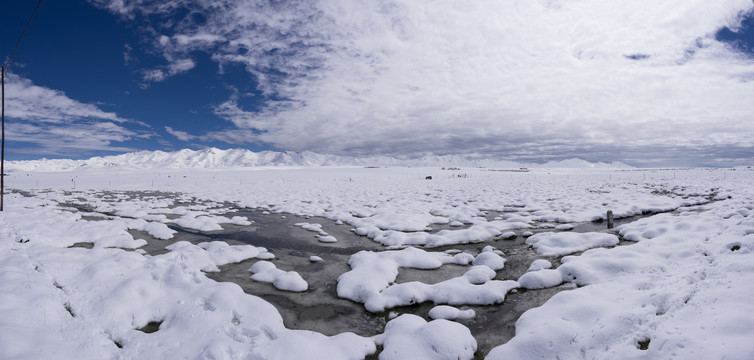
[[236, 158]]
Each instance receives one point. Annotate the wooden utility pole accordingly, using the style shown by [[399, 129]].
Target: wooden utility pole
[[2, 150]]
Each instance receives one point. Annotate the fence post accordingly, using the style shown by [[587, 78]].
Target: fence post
[[609, 219]]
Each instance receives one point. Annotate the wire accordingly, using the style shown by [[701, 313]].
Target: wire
[[20, 41]]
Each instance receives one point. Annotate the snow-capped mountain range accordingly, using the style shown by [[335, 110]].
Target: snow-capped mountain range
[[238, 158]]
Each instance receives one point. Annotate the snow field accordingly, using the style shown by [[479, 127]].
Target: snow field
[[89, 303], [682, 290]]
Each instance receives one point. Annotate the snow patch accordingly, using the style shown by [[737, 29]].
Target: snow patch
[[562, 243], [266, 271], [411, 337]]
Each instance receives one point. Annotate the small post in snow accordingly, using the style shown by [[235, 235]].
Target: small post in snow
[[609, 219]]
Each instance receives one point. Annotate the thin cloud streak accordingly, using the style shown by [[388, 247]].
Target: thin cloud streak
[[180, 135], [414, 77], [230, 136], [58, 125], [27, 101]]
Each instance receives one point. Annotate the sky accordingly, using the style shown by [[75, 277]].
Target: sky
[[644, 82]]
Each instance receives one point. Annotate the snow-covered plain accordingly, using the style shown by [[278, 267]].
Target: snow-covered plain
[[679, 284]]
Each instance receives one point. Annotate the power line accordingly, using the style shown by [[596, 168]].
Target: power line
[[21, 38], [2, 79]]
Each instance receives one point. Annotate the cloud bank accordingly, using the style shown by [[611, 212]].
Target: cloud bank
[[47, 121], [643, 82]]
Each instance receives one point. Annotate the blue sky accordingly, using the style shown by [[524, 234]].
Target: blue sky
[[96, 58], [644, 83]]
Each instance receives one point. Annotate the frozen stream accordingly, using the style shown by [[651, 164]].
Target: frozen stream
[[320, 309]]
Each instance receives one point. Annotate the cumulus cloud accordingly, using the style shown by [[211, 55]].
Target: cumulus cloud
[[523, 80], [58, 125]]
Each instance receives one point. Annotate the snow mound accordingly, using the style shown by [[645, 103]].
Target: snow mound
[[539, 264], [450, 313], [541, 279], [327, 239], [411, 337], [491, 260], [266, 271], [372, 276], [562, 243]]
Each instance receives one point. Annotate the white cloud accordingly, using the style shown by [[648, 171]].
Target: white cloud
[[71, 140], [230, 136], [198, 40], [59, 125], [24, 100], [180, 135], [154, 75], [173, 68], [127, 56], [180, 66], [520, 79]]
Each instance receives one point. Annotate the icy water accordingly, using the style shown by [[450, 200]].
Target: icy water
[[320, 309]]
